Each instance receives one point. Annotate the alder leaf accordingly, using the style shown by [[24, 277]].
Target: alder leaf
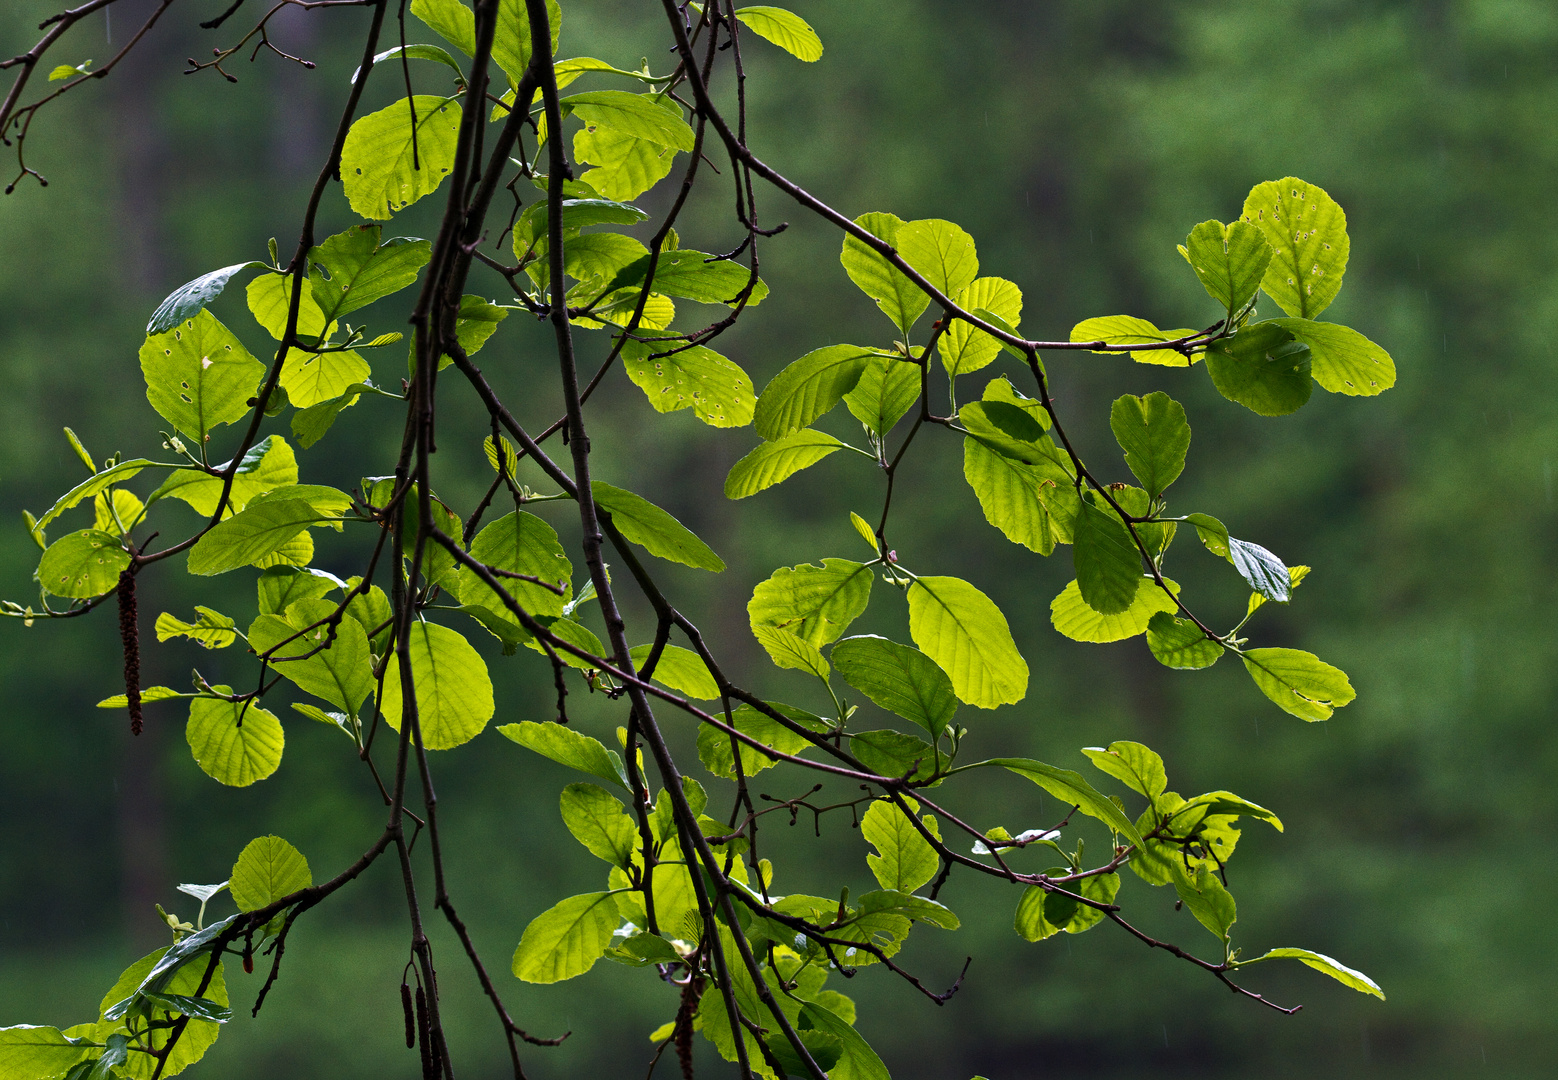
[[961, 629]]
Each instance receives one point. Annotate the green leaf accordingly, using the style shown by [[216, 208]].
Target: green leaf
[[312, 378], [352, 269], [626, 165], [680, 669], [568, 747], [1230, 260], [250, 536], [898, 678], [692, 275], [1129, 330], [453, 689], [1010, 494], [892, 753], [1108, 563], [575, 634], [377, 168], [477, 321], [173, 974], [815, 603], [270, 302], [858, 1061], [639, 115], [919, 908], [199, 376], [1070, 788], [90, 488], [1299, 682], [518, 543], [82, 564], [1227, 803], [789, 651], [716, 389], [774, 462], [900, 299], [1155, 436], [941, 251], [598, 820], [1213, 533], [270, 464], [211, 629], [149, 693], [1042, 914], [784, 28], [577, 214], [1181, 644], [1265, 572], [1262, 368], [419, 52], [645, 524], [1079, 621], [455, 22], [511, 42], [961, 629], [282, 586], [808, 388], [194, 296], [964, 347], [566, 939], [267, 869], [888, 387], [229, 751], [197, 1008], [1343, 974], [714, 745], [30, 1052], [1208, 900], [1308, 233], [1137, 766], [1342, 360], [336, 667]]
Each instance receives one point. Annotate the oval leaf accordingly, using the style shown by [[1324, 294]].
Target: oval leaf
[[961, 629], [267, 869], [774, 462], [454, 691]]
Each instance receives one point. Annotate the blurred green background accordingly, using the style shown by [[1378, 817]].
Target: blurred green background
[[1078, 142]]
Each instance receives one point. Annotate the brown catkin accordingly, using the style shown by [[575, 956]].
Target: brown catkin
[[425, 1037], [684, 1018], [131, 636], [411, 1024]]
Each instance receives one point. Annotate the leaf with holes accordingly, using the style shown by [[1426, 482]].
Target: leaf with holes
[[639, 115], [199, 376], [1307, 231], [716, 389], [82, 564], [784, 28], [1230, 260], [1342, 360], [352, 269], [381, 173], [815, 603], [1263, 368], [1299, 682]]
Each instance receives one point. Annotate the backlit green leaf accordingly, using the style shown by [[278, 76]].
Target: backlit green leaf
[[270, 464], [816, 603], [888, 387], [30, 1052], [1129, 330], [1299, 682], [964, 347], [714, 745], [680, 669], [378, 173], [900, 299], [639, 115], [1155, 436], [961, 629], [354, 268], [199, 376], [1207, 899], [774, 462], [645, 524], [626, 165], [567, 939], [335, 666], [1342, 360], [1079, 621], [568, 747], [1262, 368], [784, 28], [789, 651], [1308, 233], [716, 389], [1180, 643], [267, 869], [518, 543], [1343, 974], [1230, 260], [227, 752], [599, 821], [82, 564], [453, 689], [899, 679], [941, 251], [211, 629], [1137, 766], [248, 537], [1072, 790], [1108, 563], [904, 860], [808, 388]]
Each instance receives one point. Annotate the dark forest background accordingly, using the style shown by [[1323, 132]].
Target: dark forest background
[[1078, 142]]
